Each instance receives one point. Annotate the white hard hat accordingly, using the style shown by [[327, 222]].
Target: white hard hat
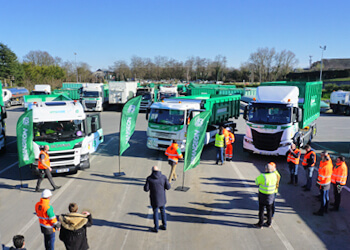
[[228, 129], [46, 194]]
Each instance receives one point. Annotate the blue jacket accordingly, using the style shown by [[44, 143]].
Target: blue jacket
[[157, 183]]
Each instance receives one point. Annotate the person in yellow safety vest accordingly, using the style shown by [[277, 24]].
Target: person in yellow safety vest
[[293, 160], [324, 182], [230, 139], [47, 219], [308, 163], [220, 144], [44, 167], [267, 187], [277, 185], [174, 153], [339, 177]]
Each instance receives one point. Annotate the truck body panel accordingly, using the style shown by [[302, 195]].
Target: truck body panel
[[30, 99], [73, 93], [41, 89], [120, 92], [340, 102]]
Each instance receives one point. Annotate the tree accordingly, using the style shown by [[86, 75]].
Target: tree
[[10, 69], [41, 58], [121, 70]]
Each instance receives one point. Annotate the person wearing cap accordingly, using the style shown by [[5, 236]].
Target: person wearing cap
[[308, 163], [156, 184], [47, 219], [293, 163], [324, 182], [45, 169], [73, 228], [267, 187], [339, 177], [230, 139]]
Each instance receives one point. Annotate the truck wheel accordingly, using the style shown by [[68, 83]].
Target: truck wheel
[[8, 104]]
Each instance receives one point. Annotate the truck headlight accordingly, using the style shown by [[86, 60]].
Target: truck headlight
[[78, 145], [84, 157], [285, 144], [248, 141]]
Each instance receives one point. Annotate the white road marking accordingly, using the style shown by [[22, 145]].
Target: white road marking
[[13, 164], [275, 227], [55, 197], [346, 188]]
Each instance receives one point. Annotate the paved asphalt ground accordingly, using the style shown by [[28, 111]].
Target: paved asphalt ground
[[217, 212]]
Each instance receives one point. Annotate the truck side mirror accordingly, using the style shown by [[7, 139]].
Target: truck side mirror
[[245, 113], [300, 115], [147, 111]]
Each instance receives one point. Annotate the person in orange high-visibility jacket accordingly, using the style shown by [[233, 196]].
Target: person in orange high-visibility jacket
[[293, 163], [338, 179], [324, 182], [230, 139], [308, 163], [47, 219], [174, 154], [44, 169]]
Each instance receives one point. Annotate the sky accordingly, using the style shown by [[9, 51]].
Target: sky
[[103, 32]]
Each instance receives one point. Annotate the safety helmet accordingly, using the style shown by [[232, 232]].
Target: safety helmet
[[46, 194], [228, 129]]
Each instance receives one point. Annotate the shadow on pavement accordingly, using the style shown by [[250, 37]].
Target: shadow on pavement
[[126, 226]]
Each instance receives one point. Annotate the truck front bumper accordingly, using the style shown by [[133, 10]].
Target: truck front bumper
[[248, 145], [163, 144]]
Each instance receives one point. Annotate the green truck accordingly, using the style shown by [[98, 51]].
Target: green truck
[[168, 120], [73, 94], [282, 113], [30, 99]]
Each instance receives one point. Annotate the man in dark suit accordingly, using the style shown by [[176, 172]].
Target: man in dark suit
[[157, 183]]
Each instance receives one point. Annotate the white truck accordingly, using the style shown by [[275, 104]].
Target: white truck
[[282, 113], [41, 89], [147, 94], [120, 92], [167, 92], [340, 102], [168, 119], [94, 96], [70, 134]]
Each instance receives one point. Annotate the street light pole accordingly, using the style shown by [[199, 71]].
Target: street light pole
[[76, 67], [323, 48]]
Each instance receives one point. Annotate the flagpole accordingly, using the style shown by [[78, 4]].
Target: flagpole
[[20, 177], [120, 125]]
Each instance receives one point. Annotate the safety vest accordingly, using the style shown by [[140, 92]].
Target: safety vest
[[267, 183], [172, 152], [45, 213], [307, 156], [219, 140], [45, 161], [340, 173], [325, 173], [278, 180], [293, 159]]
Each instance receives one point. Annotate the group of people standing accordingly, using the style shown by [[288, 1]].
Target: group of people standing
[[328, 175], [224, 145]]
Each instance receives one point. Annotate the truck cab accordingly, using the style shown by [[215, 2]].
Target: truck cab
[[93, 97], [41, 89], [167, 92], [70, 134], [147, 94]]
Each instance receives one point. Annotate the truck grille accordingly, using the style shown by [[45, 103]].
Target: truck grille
[[163, 135], [90, 105], [268, 142], [62, 158]]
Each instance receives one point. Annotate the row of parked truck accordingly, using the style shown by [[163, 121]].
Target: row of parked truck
[[281, 113]]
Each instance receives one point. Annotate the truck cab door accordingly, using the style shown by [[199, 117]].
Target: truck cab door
[[192, 113], [94, 131]]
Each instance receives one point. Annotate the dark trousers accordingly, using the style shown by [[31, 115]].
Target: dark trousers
[[337, 196], [261, 214], [156, 216], [273, 206], [42, 174], [293, 169], [49, 240], [324, 200], [309, 171], [220, 154]]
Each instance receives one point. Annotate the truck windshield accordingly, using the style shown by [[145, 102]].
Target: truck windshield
[[58, 131], [167, 116], [39, 93], [90, 94], [166, 95], [146, 97], [271, 114]]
